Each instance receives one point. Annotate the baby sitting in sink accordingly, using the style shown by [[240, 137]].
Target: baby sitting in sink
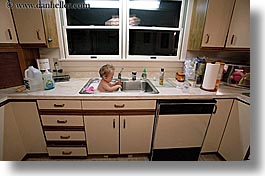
[[106, 72]]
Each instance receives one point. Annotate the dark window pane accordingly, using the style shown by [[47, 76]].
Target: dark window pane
[[167, 15], [93, 42], [148, 42], [91, 16]]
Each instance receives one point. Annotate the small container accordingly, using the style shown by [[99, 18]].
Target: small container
[[134, 75], [220, 74], [48, 81], [180, 76], [161, 77]]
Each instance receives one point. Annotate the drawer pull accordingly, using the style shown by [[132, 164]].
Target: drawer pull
[[61, 121], [207, 38], [119, 106], [232, 39], [10, 35], [58, 105], [65, 137], [66, 153], [124, 123], [38, 34], [113, 123]]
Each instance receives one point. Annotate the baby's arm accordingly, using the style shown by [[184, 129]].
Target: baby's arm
[[112, 88]]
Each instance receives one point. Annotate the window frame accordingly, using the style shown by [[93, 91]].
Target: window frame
[[124, 27]]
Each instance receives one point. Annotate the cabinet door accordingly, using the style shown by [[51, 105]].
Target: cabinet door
[[29, 126], [217, 22], [7, 28], [236, 139], [29, 23], [239, 31], [2, 115], [136, 133], [102, 134], [217, 125], [13, 147]]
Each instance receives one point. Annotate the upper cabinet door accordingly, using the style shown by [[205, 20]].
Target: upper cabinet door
[[217, 23], [29, 23], [7, 28], [238, 36]]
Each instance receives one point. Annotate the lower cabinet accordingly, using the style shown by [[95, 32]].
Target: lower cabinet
[[119, 134], [236, 139], [217, 126], [119, 127], [22, 133]]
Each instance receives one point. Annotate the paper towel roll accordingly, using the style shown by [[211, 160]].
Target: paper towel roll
[[210, 76]]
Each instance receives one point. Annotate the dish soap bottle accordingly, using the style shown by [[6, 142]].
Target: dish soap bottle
[[144, 75], [161, 77], [48, 81]]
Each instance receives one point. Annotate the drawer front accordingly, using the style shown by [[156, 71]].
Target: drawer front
[[62, 120], [65, 135], [59, 104], [119, 105], [67, 151]]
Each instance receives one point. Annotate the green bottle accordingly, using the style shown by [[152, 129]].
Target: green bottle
[[144, 75]]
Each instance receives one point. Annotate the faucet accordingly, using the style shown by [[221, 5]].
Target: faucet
[[119, 74]]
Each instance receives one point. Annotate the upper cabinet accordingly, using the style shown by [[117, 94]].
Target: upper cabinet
[[7, 28], [35, 26], [239, 31], [221, 23]]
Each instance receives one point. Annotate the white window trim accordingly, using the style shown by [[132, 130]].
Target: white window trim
[[123, 37]]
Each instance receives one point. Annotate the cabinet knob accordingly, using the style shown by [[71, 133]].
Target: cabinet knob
[[50, 40]]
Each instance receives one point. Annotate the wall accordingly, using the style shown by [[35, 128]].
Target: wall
[[84, 69]]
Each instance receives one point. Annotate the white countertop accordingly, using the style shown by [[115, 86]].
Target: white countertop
[[70, 90]]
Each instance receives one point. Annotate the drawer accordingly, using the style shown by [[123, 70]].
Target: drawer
[[119, 105], [67, 151], [59, 104], [62, 120], [65, 135]]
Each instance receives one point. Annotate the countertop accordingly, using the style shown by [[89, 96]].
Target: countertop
[[70, 90]]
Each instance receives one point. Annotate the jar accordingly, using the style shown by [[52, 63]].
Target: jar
[[180, 76], [134, 75]]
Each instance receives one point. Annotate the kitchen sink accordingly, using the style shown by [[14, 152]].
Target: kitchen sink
[[128, 86]]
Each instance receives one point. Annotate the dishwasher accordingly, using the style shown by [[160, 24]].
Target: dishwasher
[[180, 129]]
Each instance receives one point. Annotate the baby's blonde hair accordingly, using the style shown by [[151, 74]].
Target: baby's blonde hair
[[105, 70]]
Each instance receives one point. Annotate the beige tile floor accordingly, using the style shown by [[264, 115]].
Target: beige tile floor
[[205, 157]]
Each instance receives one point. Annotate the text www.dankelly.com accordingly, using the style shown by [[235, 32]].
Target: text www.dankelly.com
[[60, 4]]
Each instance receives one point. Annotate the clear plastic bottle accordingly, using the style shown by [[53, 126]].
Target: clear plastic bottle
[[48, 81], [161, 77]]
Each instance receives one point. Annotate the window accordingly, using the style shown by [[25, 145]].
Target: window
[[119, 29]]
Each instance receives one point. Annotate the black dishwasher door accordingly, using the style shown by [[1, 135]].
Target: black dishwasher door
[[186, 106]]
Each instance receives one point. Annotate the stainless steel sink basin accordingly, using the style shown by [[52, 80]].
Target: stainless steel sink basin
[[143, 86], [139, 85]]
